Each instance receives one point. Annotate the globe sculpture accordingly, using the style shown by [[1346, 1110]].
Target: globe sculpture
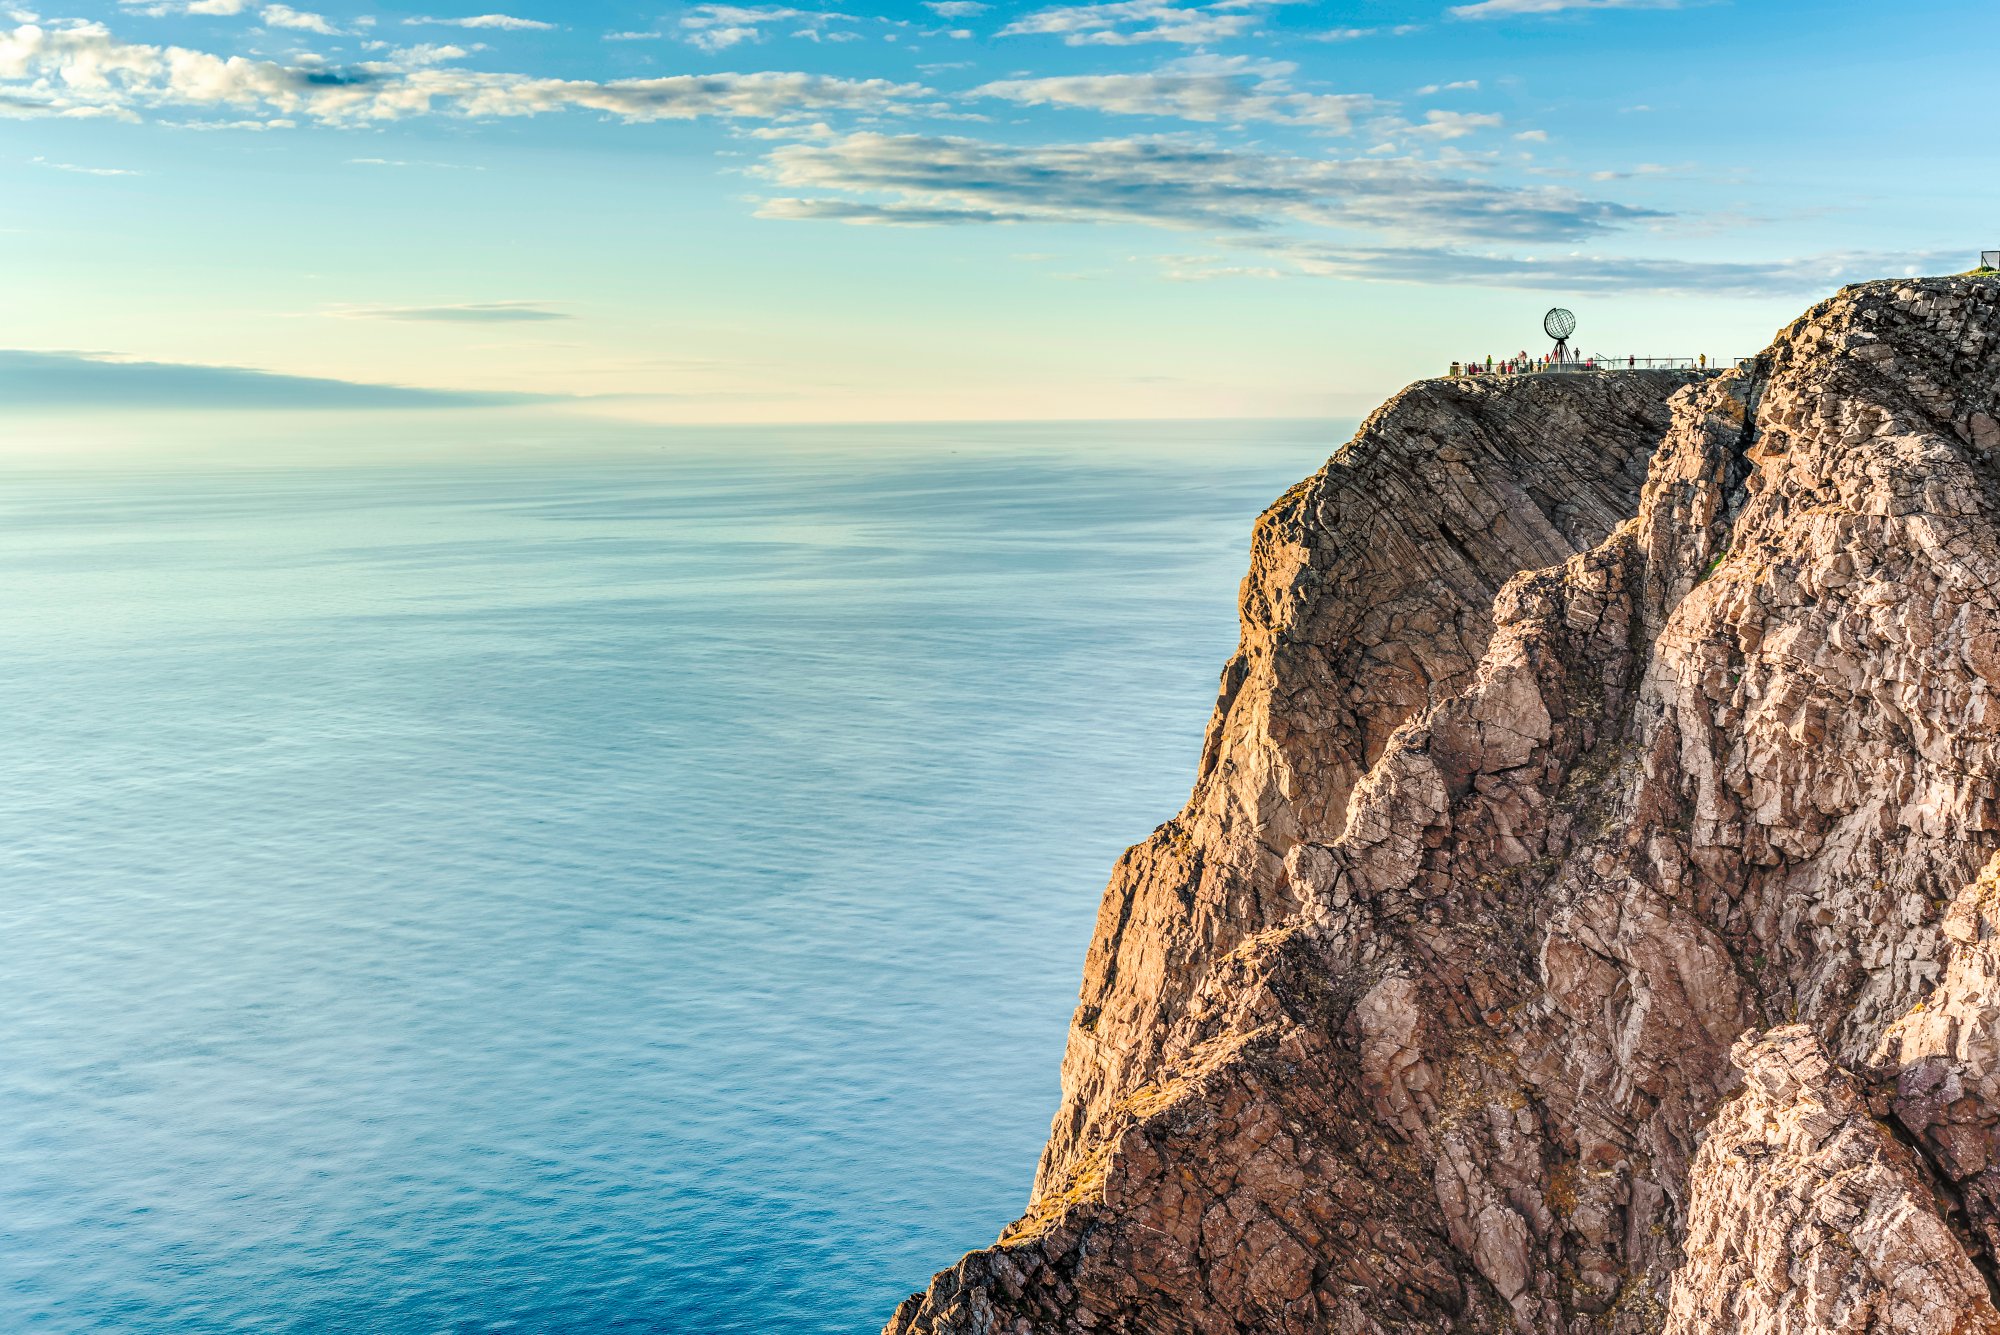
[[1559, 324]]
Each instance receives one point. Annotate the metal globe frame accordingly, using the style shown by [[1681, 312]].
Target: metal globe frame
[[1559, 324]]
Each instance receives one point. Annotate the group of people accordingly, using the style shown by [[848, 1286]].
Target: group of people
[[1521, 364]]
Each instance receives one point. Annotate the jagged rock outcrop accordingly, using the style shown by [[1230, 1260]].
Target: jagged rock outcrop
[[1529, 793], [1806, 1214]]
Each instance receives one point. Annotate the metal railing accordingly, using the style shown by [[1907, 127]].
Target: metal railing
[[1541, 366]]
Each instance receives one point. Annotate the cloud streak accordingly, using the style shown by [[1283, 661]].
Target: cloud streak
[[54, 381], [84, 171], [1630, 275], [1501, 9], [1130, 22], [503, 22], [477, 312], [929, 180], [1231, 91], [82, 69]]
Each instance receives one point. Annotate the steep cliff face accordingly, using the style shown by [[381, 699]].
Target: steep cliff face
[[1370, 594], [1587, 918]]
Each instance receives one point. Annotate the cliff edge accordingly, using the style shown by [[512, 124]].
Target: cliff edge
[[1587, 915]]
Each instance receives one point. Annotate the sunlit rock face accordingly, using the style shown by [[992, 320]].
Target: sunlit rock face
[[1585, 919]]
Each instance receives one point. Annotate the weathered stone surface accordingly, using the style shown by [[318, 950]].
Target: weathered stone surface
[[1417, 1018], [1805, 1214]]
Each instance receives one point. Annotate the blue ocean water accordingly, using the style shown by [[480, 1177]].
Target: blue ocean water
[[643, 891]]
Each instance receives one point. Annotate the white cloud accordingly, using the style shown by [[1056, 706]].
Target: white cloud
[[284, 16], [1499, 9], [722, 38], [1462, 86], [718, 27], [1456, 124], [503, 21], [1200, 89], [929, 180], [423, 54], [1533, 136], [956, 9], [1128, 22], [84, 70]]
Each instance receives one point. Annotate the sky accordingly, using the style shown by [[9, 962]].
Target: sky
[[951, 210]]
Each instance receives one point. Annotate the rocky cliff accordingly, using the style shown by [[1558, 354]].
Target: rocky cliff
[[1587, 916]]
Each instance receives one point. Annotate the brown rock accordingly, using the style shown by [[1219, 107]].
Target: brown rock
[[1528, 792], [1805, 1214]]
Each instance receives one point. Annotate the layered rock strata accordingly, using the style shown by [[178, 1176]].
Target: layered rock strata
[[1586, 918]]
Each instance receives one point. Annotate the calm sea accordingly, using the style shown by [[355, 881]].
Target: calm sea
[[639, 892]]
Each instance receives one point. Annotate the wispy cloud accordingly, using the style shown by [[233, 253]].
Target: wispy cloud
[[84, 70], [1203, 89], [161, 8], [956, 9], [928, 180], [412, 162], [84, 171], [476, 312], [505, 22], [1500, 9], [1129, 22], [1356, 34], [718, 27], [1607, 273], [44, 381]]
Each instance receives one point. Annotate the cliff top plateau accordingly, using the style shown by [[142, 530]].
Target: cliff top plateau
[[1586, 920]]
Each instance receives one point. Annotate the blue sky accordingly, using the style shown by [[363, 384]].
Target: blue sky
[[950, 210]]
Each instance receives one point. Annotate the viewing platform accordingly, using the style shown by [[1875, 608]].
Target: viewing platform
[[1560, 325], [1576, 364]]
